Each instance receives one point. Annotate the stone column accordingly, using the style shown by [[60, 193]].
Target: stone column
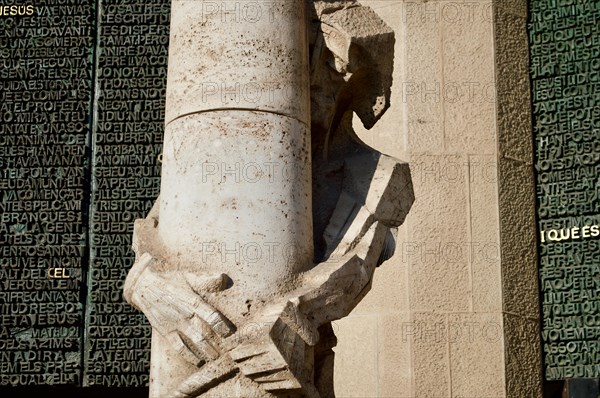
[[226, 269], [236, 174], [236, 171]]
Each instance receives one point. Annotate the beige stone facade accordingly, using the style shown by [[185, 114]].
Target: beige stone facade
[[455, 312]]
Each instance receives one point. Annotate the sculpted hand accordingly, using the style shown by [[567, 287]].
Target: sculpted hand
[[175, 309]]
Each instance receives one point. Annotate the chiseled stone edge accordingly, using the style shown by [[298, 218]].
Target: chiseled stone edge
[[516, 195]]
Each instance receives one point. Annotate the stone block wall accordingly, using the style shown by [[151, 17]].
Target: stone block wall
[[455, 312]]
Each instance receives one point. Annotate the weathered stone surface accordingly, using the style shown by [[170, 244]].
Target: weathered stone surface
[[474, 46], [476, 341], [523, 357], [239, 270]]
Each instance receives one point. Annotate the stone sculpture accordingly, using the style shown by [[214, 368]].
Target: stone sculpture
[[273, 215]]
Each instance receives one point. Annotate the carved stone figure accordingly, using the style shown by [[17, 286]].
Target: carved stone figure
[[273, 215]]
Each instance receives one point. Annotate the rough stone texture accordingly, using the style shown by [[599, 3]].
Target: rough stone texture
[[200, 194], [391, 129], [515, 7], [428, 333], [518, 239], [420, 86], [392, 289], [468, 87], [226, 71], [394, 370], [476, 344], [484, 253], [513, 87], [356, 352], [432, 329], [241, 268], [274, 349], [438, 248], [238, 129], [523, 370], [515, 173], [522, 350], [482, 44]]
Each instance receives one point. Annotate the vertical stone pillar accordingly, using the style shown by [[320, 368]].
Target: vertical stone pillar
[[225, 269], [516, 202], [236, 171], [236, 185]]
